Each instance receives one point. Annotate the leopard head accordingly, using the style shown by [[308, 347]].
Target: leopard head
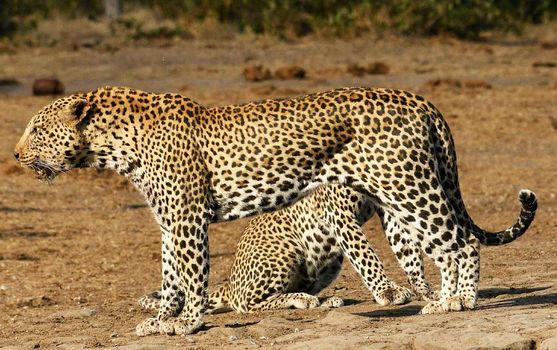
[[53, 141]]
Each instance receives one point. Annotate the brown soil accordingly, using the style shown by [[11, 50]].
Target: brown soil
[[75, 256]]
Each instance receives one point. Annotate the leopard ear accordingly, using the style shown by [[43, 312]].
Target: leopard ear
[[75, 111]]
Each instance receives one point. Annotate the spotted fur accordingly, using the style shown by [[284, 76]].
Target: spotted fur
[[286, 257], [197, 165]]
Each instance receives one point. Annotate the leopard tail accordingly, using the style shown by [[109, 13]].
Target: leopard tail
[[219, 299], [447, 166]]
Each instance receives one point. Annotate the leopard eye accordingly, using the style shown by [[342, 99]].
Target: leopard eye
[[35, 129]]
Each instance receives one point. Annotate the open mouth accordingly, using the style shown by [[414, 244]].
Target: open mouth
[[43, 171]]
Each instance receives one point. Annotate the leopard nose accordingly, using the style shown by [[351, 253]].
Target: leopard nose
[[16, 155]]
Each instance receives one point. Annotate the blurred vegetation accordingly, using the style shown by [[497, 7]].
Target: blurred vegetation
[[463, 18]]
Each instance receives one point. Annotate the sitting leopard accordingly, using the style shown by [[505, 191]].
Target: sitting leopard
[[196, 165], [286, 257]]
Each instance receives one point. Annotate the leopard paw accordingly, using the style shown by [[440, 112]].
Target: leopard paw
[[178, 326], [433, 307], [305, 301], [147, 327], [430, 295], [332, 302], [454, 303], [150, 301], [394, 295]]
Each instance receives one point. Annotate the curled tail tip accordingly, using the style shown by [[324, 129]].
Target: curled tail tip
[[528, 199]]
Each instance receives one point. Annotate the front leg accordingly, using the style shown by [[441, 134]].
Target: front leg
[[171, 295], [191, 248], [170, 299], [184, 208]]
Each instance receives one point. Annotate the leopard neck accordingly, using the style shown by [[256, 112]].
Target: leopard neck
[[130, 132], [111, 132]]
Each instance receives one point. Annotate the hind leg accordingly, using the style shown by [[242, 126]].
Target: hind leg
[[407, 187], [440, 301], [365, 261], [408, 255], [449, 281], [428, 216], [327, 274], [460, 272], [468, 260]]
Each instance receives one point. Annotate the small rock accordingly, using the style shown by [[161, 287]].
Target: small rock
[[47, 87], [290, 72], [544, 64], [375, 68], [549, 45], [250, 342], [549, 344], [80, 300], [453, 339], [25, 257], [8, 85], [444, 82], [232, 338], [263, 89], [9, 82], [471, 84], [356, 70], [89, 42], [378, 68], [73, 313], [475, 84], [257, 73], [40, 301]]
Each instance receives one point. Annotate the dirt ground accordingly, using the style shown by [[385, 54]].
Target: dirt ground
[[75, 256]]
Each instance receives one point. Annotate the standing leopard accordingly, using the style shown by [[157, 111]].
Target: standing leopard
[[197, 165]]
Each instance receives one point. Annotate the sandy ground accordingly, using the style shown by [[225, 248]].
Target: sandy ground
[[75, 256]]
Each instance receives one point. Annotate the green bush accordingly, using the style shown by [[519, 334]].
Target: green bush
[[468, 18], [22, 15], [463, 18]]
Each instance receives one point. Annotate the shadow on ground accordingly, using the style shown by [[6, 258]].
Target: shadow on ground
[[532, 300], [495, 292]]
